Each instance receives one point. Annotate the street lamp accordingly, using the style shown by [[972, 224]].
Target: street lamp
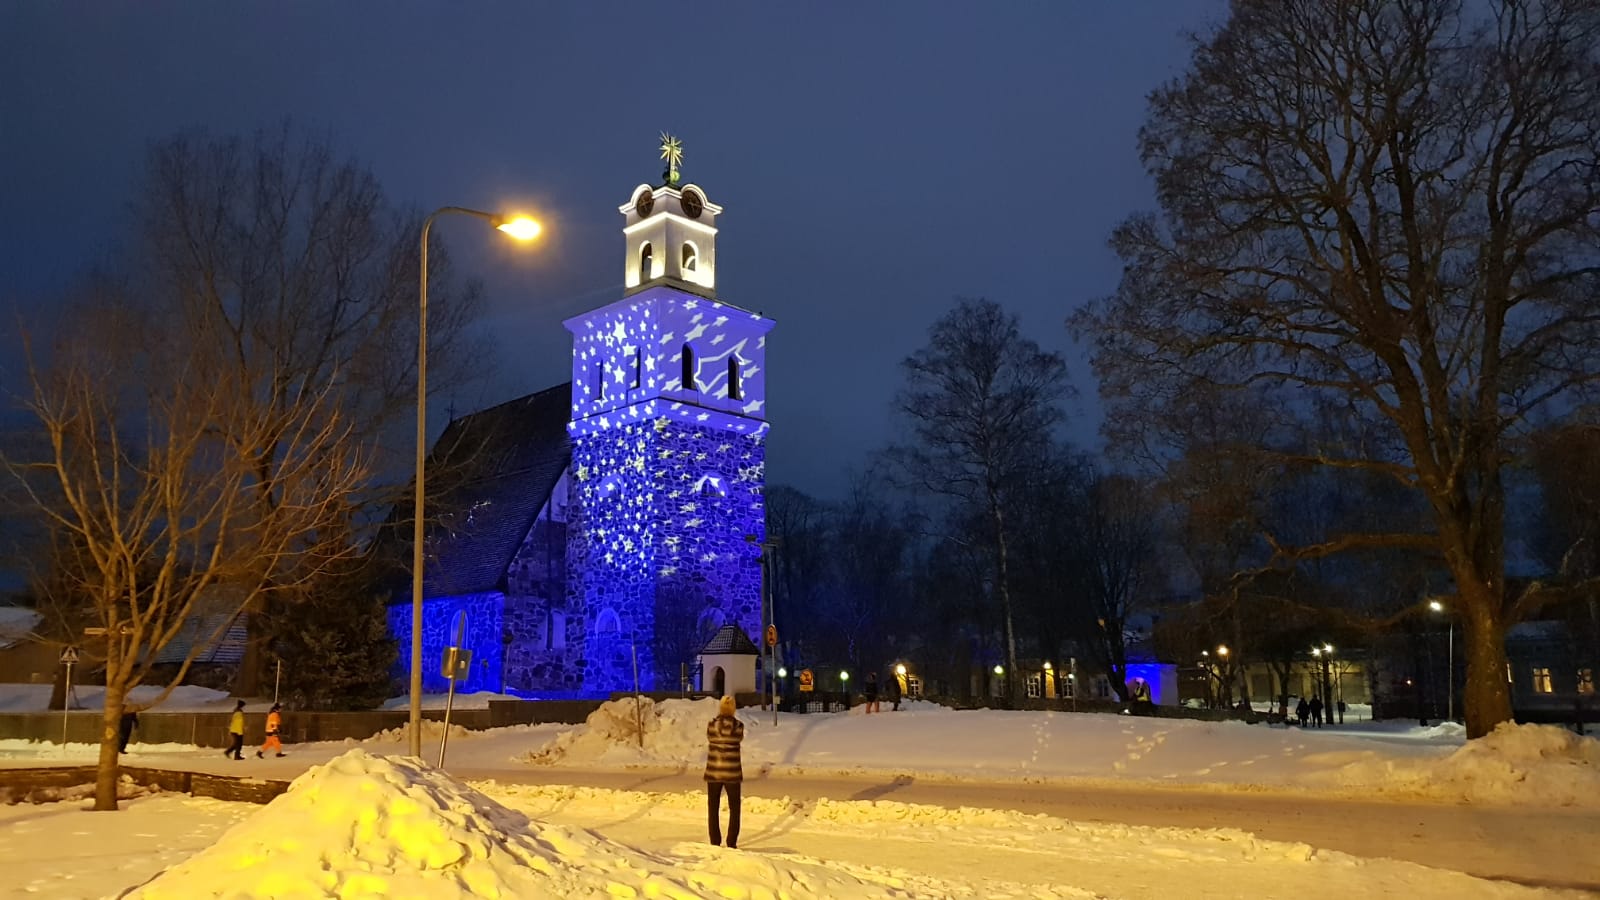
[[1049, 680], [523, 229], [1450, 660]]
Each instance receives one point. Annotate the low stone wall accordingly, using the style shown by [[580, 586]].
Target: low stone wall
[[17, 783], [539, 712], [210, 729]]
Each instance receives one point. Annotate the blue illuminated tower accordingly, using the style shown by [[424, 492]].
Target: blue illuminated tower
[[667, 430]]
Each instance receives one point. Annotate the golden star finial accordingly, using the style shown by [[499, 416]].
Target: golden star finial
[[672, 152]]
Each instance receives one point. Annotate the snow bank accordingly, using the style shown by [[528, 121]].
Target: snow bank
[[366, 826], [674, 733], [1523, 764]]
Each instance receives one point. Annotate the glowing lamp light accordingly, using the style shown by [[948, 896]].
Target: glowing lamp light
[[1222, 651], [998, 670], [782, 672], [522, 228], [1316, 651], [844, 676], [900, 669], [1436, 606], [1047, 666], [1327, 648]]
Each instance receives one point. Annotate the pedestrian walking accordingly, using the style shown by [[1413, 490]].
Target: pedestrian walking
[[236, 732], [274, 723], [872, 692], [1302, 711], [894, 693], [1316, 711], [125, 727], [724, 771]]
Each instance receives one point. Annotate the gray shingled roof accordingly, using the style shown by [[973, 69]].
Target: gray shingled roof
[[730, 639], [494, 469]]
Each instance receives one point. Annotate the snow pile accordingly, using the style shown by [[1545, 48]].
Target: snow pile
[[674, 732], [1524, 764], [432, 730], [367, 826]]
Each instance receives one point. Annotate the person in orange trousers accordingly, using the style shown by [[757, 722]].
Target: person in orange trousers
[[274, 722]]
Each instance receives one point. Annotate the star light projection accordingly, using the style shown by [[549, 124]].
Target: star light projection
[[668, 461]]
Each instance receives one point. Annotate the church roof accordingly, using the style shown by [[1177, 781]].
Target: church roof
[[489, 475], [730, 639]]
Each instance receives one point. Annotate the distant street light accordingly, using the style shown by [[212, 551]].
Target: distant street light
[[1450, 660], [523, 229]]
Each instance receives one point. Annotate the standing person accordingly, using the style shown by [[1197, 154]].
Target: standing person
[[724, 771], [1302, 711], [125, 727], [1341, 710], [894, 692], [1316, 711], [236, 732], [274, 723], [872, 692]]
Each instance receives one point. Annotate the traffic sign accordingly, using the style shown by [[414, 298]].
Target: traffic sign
[[805, 680], [772, 635], [69, 655]]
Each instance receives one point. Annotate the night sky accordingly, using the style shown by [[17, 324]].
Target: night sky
[[875, 161]]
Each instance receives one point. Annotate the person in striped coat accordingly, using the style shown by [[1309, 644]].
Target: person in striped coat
[[724, 770]]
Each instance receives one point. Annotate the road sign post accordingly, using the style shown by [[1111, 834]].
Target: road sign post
[[457, 664], [69, 656]]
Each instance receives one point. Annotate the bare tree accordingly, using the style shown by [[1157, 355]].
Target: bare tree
[[1389, 208], [982, 402], [292, 264], [1116, 541], [151, 471]]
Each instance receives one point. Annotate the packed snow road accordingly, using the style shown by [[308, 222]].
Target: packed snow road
[[1532, 846]]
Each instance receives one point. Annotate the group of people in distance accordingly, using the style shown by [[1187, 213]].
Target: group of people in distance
[[130, 721], [870, 692], [236, 732], [1313, 710]]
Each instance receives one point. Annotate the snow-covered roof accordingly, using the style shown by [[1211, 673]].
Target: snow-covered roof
[[17, 624]]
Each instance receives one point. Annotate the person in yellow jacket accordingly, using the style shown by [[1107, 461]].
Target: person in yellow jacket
[[274, 724], [236, 732]]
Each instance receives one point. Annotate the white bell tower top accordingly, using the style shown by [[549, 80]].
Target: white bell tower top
[[670, 233]]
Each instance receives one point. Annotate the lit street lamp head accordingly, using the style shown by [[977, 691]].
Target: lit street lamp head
[[1436, 606], [521, 227]]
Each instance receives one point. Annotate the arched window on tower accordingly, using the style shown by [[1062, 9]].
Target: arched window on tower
[[735, 390], [646, 262], [689, 382], [599, 381], [691, 255], [638, 369]]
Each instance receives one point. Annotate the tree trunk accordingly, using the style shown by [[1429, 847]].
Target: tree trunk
[[107, 773], [1486, 694], [1003, 585]]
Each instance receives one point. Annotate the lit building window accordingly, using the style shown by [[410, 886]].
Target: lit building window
[[646, 261], [1035, 686], [1585, 681], [1541, 680]]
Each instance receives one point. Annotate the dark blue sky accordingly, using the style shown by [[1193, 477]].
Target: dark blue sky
[[874, 160]]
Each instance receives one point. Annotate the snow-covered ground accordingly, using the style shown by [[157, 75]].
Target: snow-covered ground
[[370, 823]]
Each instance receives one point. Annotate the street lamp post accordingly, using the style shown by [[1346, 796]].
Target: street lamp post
[[522, 229], [1450, 660]]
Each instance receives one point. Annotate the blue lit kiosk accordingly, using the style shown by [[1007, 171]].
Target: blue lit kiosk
[[598, 528]]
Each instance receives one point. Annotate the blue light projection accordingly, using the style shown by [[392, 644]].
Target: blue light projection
[[668, 477], [483, 639]]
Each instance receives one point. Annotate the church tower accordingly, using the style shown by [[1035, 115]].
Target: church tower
[[668, 463]]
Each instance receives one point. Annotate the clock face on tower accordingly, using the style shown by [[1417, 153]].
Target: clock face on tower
[[692, 204], [645, 203]]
